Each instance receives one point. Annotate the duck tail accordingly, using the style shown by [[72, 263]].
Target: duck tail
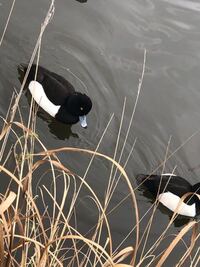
[[22, 67]]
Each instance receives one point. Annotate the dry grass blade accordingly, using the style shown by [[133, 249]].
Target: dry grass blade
[[7, 202], [123, 265], [24, 128], [4, 131], [21, 231], [14, 178], [192, 243], [43, 260], [7, 22], [124, 253], [1, 245], [175, 242], [197, 259]]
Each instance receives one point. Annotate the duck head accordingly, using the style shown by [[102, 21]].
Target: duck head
[[75, 109]]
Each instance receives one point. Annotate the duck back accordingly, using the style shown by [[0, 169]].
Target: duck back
[[56, 88], [166, 183]]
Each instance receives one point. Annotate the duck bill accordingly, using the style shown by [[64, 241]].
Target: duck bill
[[83, 121]]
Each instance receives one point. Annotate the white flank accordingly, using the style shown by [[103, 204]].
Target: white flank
[[171, 201], [38, 94]]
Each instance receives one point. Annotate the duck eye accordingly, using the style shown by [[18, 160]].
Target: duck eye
[[81, 108]]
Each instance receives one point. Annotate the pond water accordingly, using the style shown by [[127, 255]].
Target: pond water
[[102, 43]]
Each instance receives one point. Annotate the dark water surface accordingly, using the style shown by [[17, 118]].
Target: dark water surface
[[103, 42]]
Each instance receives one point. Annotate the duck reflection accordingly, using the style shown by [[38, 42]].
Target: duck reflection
[[82, 1], [60, 130]]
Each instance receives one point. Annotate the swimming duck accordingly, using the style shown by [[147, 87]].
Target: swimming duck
[[171, 189], [57, 96]]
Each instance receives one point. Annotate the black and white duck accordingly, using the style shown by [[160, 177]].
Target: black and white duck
[[171, 188], [57, 96]]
